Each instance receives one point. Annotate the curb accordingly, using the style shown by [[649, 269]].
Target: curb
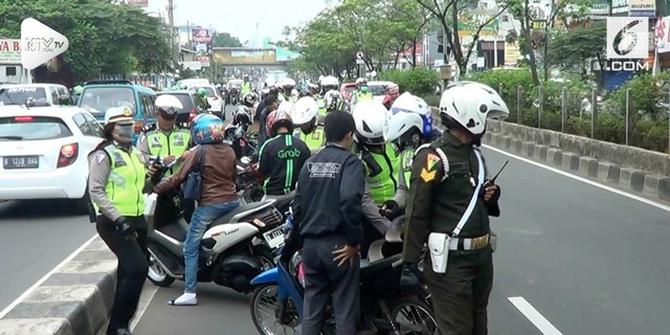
[[75, 300]]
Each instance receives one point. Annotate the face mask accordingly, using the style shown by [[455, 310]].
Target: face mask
[[124, 132]]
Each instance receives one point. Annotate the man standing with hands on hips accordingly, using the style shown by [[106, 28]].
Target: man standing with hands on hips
[[328, 222], [449, 205]]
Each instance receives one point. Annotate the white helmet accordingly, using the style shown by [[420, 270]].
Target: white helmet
[[360, 81], [288, 82], [168, 104], [400, 124], [329, 81], [304, 111], [285, 106], [469, 104], [371, 118], [411, 104]]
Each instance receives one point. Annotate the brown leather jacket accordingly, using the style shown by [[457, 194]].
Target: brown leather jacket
[[218, 174]]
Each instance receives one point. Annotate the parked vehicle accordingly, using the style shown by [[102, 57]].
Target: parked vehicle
[[18, 94], [100, 95], [44, 152], [214, 99], [378, 89], [188, 101]]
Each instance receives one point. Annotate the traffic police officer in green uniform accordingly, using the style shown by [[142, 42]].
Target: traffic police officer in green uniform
[[449, 205], [116, 180], [410, 126], [381, 160], [362, 92], [304, 114], [167, 142]]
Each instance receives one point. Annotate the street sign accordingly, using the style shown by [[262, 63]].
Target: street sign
[[39, 43]]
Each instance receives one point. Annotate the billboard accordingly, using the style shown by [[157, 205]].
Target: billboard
[[245, 56], [204, 60], [10, 51], [201, 35], [645, 8], [662, 33]]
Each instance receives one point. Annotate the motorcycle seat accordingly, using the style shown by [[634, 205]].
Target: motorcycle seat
[[240, 212]]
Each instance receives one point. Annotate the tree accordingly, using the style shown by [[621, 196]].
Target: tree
[[575, 49], [449, 14], [100, 38], [224, 40]]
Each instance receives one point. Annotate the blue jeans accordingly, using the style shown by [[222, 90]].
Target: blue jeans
[[202, 217]]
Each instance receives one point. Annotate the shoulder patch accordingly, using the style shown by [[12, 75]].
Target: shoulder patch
[[99, 157]]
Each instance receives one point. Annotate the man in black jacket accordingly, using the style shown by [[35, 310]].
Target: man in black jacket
[[328, 221]]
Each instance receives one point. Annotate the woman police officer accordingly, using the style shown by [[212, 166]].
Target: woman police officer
[[116, 179]]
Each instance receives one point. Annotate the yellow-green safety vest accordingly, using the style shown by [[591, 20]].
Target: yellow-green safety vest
[[360, 96], [405, 167], [321, 102], [174, 144], [126, 180], [314, 140], [246, 88], [384, 184]]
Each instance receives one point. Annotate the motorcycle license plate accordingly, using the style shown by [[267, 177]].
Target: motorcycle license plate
[[274, 237]]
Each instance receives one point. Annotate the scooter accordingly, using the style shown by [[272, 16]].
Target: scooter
[[392, 301], [235, 248]]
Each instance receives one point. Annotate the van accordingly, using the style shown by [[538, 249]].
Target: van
[[17, 94], [100, 95]]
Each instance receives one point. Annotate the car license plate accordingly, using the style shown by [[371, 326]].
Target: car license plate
[[274, 237], [21, 162]]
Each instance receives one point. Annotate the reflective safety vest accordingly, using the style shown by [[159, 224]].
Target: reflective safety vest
[[405, 167], [384, 184], [245, 89], [126, 180], [173, 144], [314, 140], [360, 96], [321, 102]]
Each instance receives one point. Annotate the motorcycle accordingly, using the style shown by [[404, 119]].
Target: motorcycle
[[236, 247], [233, 96], [392, 301]]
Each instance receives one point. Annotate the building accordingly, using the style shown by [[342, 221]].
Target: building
[[11, 71]]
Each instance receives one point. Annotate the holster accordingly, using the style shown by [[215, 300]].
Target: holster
[[438, 245]]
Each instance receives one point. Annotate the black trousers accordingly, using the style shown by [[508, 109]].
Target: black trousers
[[325, 280], [461, 295], [131, 271]]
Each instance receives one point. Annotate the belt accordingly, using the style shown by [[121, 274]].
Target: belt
[[469, 243]]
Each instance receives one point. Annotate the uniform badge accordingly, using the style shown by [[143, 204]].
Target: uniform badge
[[427, 173], [99, 157], [118, 159], [179, 140], [155, 142]]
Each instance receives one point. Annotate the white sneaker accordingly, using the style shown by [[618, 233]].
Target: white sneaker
[[186, 299]]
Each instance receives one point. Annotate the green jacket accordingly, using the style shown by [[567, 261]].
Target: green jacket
[[383, 183], [162, 144], [314, 140]]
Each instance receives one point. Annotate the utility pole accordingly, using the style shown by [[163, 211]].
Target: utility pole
[[173, 39]]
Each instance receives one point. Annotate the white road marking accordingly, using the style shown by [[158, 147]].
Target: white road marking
[[148, 294], [534, 316], [584, 180], [45, 277]]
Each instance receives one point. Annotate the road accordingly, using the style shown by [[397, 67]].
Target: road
[[588, 260], [35, 236]]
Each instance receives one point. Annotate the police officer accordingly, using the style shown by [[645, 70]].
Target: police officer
[[166, 141], [304, 116], [282, 156], [410, 126], [381, 160], [449, 206], [362, 92], [116, 179], [328, 219], [246, 87]]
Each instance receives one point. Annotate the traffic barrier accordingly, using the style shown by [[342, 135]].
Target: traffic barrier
[[74, 300], [632, 178], [570, 161], [555, 156], [588, 166]]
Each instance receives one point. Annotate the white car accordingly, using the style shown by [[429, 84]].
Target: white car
[[378, 89], [43, 152], [17, 94]]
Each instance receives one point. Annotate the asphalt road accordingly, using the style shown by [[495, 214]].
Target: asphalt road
[[35, 236], [588, 260]]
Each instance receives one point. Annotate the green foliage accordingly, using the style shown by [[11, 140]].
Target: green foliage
[[575, 49], [103, 37], [225, 40], [649, 97], [418, 81]]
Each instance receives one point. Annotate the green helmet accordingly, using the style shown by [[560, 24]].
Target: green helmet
[[78, 89], [202, 92]]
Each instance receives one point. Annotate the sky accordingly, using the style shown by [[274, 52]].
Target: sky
[[239, 17]]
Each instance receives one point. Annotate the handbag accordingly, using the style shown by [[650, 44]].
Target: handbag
[[192, 186]]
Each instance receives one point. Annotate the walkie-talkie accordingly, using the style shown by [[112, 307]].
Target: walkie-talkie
[[497, 174]]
